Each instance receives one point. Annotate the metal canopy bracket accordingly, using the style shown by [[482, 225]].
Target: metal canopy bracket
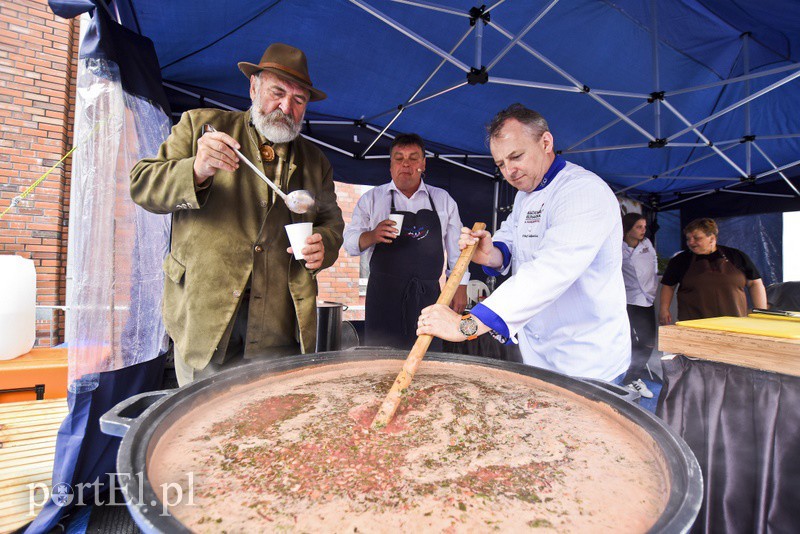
[[479, 13], [477, 76]]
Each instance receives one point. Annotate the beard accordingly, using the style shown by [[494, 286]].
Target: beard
[[276, 126]]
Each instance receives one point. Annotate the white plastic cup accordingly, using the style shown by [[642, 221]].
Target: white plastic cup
[[398, 220], [298, 233]]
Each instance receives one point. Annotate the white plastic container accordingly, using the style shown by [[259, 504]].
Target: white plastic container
[[17, 306]]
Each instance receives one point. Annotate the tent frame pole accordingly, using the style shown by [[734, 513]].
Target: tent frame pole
[[701, 158], [400, 112], [666, 177], [772, 163], [608, 125], [422, 86], [656, 75], [592, 93], [666, 206], [411, 35], [478, 44], [755, 193], [533, 22], [752, 76], [746, 59], [428, 153], [779, 169], [431, 6], [737, 105], [705, 139]]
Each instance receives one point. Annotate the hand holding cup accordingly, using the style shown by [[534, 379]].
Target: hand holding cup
[[305, 245]]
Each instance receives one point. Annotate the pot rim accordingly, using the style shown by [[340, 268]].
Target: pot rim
[[686, 483]]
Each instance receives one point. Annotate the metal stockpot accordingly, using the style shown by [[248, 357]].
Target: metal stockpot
[[329, 326], [142, 421]]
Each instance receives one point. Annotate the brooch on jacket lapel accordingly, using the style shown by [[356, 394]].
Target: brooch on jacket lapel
[[265, 149], [267, 152]]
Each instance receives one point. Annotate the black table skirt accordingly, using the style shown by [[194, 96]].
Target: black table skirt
[[744, 427]]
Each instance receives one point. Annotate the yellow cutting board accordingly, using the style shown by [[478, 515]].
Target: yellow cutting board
[[756, 324]]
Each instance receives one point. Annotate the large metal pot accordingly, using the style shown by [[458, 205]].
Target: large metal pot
[[143, 420]]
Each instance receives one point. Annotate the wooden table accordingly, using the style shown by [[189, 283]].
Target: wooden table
[[766, 353], [733, 398], [46, 367], [27, 446]]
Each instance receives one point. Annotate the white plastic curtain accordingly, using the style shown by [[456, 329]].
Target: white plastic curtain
[[115, 250]]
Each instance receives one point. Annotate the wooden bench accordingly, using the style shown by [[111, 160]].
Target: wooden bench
[[27, 447]]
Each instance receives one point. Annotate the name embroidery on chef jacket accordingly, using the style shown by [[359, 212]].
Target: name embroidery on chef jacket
[[533, 217]]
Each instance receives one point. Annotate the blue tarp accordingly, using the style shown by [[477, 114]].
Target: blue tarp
[[84, 454]]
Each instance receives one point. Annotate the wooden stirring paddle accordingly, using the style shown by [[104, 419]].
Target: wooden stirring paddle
[[403, 380]]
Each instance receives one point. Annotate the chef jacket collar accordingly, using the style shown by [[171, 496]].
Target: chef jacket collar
[[555, 167]]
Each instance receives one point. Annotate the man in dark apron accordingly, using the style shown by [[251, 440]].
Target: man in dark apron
[[406, 262]]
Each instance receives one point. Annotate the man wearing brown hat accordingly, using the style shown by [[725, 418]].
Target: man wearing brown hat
[[232, 289]]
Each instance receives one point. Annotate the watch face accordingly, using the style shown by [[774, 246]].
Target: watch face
[[468, 326]]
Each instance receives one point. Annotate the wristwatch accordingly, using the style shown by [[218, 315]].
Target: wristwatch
[[468, 326]]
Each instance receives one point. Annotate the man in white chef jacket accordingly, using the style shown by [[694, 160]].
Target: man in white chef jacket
[[565, 301]]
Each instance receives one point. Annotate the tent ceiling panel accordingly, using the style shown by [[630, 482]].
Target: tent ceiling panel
[[372, 55]]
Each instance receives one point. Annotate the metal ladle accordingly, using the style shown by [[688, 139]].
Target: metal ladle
[[299, 201]]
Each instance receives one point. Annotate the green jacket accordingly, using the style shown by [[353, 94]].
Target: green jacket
[[226, 232]]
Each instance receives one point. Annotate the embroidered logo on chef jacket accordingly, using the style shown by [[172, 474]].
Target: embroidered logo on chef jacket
[[417, 232], [534, 216], [645, 250]]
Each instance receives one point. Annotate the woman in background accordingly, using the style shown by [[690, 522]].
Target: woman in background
[[639, 265], [711, 278]]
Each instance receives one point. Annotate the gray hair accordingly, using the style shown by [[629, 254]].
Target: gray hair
[[530, 119]]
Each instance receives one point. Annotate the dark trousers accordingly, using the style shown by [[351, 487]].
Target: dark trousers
[[643, 335]]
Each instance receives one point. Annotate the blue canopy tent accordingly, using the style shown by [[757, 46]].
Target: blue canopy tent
[[679, 104], [659, 98], [675, 103]]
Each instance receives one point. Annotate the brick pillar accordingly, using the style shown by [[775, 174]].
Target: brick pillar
[[340, 282], [38, 64]]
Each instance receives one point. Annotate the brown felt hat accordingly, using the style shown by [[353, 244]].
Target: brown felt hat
[[287, 62]]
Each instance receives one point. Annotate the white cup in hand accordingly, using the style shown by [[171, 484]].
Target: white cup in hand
[[398, 220], [298, 233]]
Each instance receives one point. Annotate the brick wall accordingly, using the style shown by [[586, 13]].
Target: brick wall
[[38, 64], [340, 282]]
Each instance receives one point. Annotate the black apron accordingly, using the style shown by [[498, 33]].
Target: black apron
[[404, 279]]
